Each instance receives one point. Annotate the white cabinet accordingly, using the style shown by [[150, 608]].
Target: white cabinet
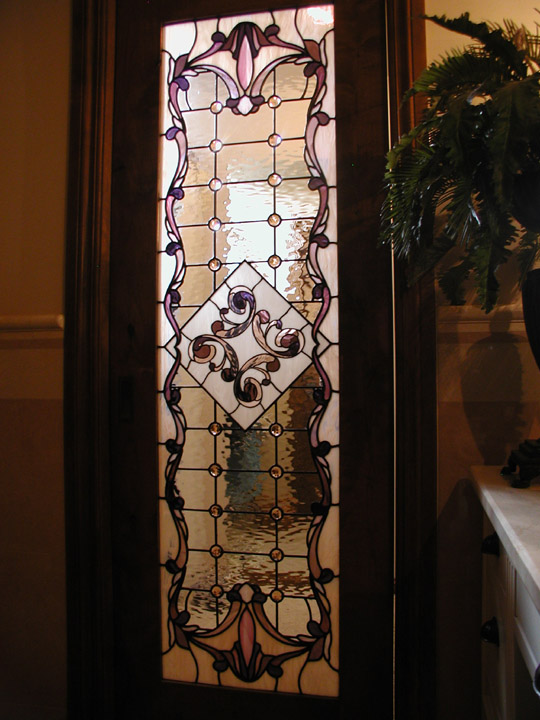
[[510, 598]]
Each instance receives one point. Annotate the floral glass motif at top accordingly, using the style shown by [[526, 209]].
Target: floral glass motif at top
[[247, 353]]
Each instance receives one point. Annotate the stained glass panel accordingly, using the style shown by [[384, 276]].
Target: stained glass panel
[[248, 361]]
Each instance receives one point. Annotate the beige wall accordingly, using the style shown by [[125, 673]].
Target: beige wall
[[34, 87], [488, 402]]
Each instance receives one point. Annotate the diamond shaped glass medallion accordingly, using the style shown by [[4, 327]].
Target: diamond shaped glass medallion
[[246, 345]]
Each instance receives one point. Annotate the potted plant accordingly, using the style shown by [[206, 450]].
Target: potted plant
[[468, 175]]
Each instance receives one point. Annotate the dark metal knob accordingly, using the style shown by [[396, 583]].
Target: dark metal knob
[[490, 631], [536, 681], [490, 545]]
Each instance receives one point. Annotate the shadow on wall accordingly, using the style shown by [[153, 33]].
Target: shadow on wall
[[492, 368]]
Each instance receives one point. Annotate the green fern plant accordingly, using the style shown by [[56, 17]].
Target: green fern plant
[[468, 175]]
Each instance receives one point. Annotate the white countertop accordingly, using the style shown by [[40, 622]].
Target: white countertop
[[515, 515]]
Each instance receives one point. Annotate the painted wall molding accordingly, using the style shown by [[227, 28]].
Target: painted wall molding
[[472, 319], [31, 323]]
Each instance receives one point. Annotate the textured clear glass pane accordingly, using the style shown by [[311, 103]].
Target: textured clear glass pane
[[292, 578], [294, 199], [198, 407], [197, 285], [201, 571], [200, 167], [199, 449], [196, 487], [243, 297], [296, 492], [294, 407], [290, 162], [246, 491], [199, 128], [291, 119], [245, 201], [237, 163], [295, 452], [202, 91], [290, 83], [198, 244], [292, 535], [292, 238], [237, 241], [232, 129], [294, 282], [202, 609], [240, 450], [195, 208], [246, 533], [233, 568]]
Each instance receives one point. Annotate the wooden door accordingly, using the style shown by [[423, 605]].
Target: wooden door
[[125, 663]]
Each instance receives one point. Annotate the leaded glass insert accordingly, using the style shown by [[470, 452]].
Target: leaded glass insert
[[247, 353]]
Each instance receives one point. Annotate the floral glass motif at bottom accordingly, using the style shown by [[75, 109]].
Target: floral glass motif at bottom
[[248, 358]]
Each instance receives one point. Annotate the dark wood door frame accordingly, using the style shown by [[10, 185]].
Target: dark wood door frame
[[416, 417], [87, 392]]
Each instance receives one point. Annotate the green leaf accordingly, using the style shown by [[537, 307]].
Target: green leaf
[[451, 282]]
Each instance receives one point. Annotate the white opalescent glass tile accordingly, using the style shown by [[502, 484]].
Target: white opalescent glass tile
[[203, 41], [330, 361], [293, 613], [329, 427], [333, 465], [330, 324], [331, 223], [284, 19], [329, 100], [329, 541], [315, 22], [262, 19], [265, 270], [164, 364], [328, 261], [166, 428], [325, 143], [168, 164], [178, 38]]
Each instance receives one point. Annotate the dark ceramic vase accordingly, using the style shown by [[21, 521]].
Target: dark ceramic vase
[[531, 311]]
